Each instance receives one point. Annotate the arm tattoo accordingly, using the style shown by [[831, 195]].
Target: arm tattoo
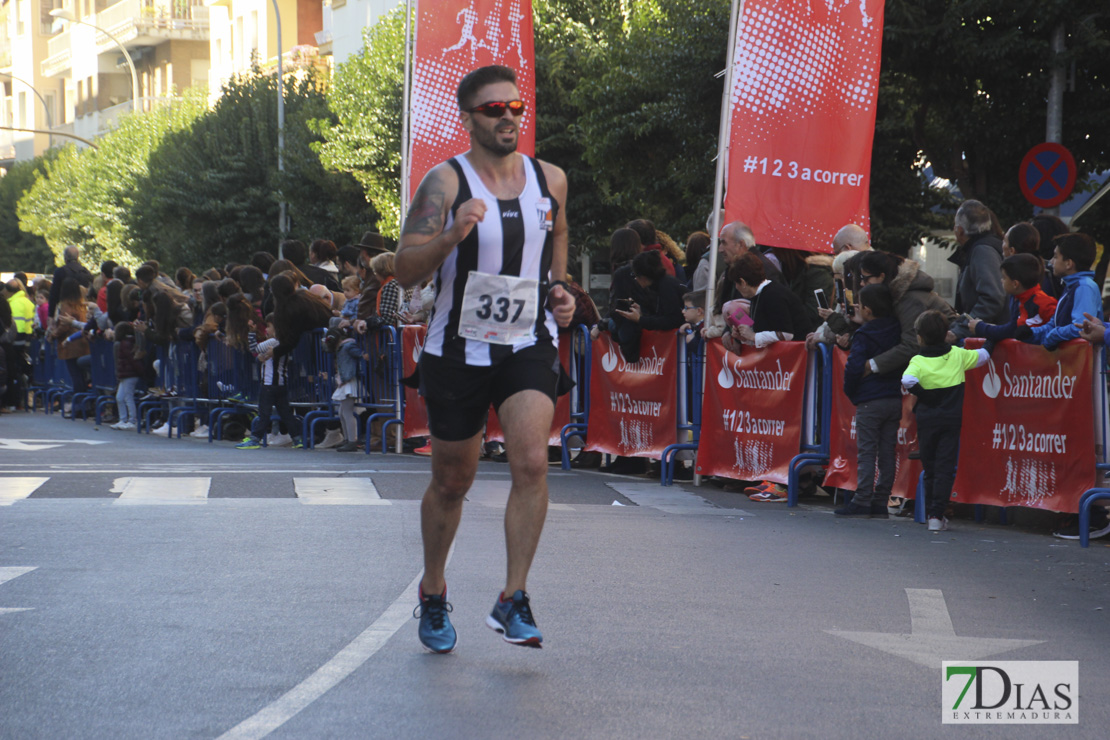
[[426, 213]]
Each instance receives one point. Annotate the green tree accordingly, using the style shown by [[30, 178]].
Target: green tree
[[362, 137], [22, 250], [212, 191], [86, 196]]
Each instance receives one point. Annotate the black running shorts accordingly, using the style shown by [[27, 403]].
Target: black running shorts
[[458, 396]]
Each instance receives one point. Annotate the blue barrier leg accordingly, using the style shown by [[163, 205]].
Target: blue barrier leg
[[393, 421], [795, 468], [980, 513], [919, 501], [568, 431], [1086, 501]]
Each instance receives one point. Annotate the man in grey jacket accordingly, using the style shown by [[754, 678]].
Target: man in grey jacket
[[979, 292]]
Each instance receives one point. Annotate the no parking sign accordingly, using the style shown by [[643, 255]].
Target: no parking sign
[[1047, 175]]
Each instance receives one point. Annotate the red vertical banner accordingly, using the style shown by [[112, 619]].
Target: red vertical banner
[[842, 472], [804, 87], [452, 38], [1028, 436], [494, 432], [633, 406], [751, 419], [412, 343]]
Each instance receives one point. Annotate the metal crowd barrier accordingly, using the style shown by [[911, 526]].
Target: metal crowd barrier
[[581, 364], [691, 371]]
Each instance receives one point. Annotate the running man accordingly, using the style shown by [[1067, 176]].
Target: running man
[[491, 226]]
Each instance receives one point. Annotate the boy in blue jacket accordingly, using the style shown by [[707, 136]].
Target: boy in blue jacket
[[1071, 261], [878, 402]]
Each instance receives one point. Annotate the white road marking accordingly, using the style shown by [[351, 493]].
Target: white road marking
[[142, 491], [495, 494], [13, 489], [37, 445], [7, 573], [932, 638], [346, 661], [338, 491], [671, 500]]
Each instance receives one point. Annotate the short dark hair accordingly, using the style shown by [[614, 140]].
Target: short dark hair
[[325, 249], [1025, 267], [269, 318], [1049, 227], [146, 273], [650, 265], [1079, 248], [348, 254], [878, 298], [121, 273], [107, 266], [479, 78], [294, 251], [1024, 238], [749, 268], [645, 229], [695, 298], [932, 327], [263, 260]]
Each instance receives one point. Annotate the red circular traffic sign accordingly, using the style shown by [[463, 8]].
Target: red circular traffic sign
[[1047, 175]]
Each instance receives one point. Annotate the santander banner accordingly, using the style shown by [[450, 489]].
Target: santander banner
[[843, 472], [412, 344], [632, 407], [494, 432], [803, 115], [1028, 435], [452, 38], [752, 410]]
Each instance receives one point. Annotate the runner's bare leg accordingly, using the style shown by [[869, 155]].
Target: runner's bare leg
[[526, 419], [454, 465]]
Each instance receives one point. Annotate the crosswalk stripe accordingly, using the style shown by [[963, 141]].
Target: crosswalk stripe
[[338, 491], [14, 489], [161, 490]]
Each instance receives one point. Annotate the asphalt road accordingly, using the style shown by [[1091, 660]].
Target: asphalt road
[[152, 588]]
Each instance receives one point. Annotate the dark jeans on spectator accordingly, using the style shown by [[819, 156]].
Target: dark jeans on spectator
[[269, 397], [79, 368], [18, 366], [877, 424], [627, 334], [940, 449]]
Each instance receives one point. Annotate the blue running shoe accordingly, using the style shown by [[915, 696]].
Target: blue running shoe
[[513, 619], [250, 443], [436, 632]]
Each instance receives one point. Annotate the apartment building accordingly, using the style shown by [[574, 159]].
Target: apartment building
[[166, 43], [28, 99], [245, 30], [344, 22]]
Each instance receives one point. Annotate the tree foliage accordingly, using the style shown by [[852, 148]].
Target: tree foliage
[[363, 135], [86, 196], [19, 249], [212, 192]]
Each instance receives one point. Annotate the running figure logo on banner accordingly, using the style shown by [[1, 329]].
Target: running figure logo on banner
[[452, 38]]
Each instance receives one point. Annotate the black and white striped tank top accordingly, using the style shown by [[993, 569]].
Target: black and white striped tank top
[[515, 238]]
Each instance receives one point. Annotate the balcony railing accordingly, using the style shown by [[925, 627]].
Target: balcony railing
[[129, 19], [58, 55]]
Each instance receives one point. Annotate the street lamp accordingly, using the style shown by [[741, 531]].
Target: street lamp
[[283, 225], [45, 107], [64, 15]]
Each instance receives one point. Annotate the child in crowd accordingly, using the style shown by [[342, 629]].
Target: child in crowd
[[349, 312], [693, 313], [878, 402], [274, 391], [129, 369], [1029, 305], [1071, 261], [936, 377], [347, 357]]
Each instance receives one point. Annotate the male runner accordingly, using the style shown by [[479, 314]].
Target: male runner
[[491, 226]]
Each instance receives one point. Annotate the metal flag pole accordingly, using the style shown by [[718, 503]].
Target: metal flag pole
[[406, 146], [718, 185]]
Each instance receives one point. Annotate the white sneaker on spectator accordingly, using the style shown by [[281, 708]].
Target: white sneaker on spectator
[[200, 431], [279, 440], [333, 438], [67, 407], [117, 426], [162, 431], [125, 426]]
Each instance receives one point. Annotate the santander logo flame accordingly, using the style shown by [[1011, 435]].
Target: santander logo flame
[[992, 384]]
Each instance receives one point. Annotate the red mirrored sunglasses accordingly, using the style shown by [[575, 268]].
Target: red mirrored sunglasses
[[496, 109]]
